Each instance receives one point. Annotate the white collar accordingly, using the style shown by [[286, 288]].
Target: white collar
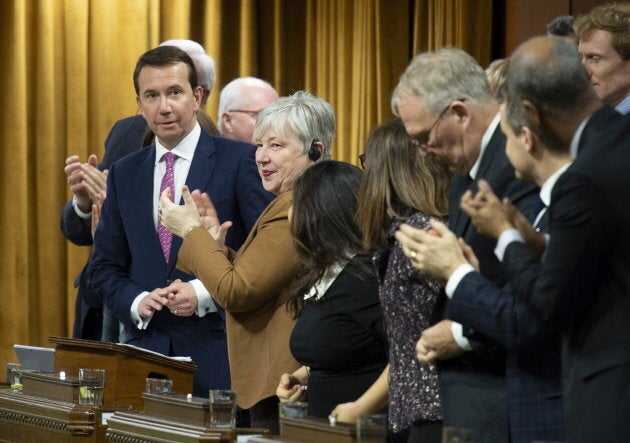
[[184, 149], [321, 286], [547, 187], [484, 144]]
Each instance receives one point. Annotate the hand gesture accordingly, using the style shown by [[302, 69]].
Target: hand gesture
[[290, 389], [486, 211], [210, 219], [437, 343], [346, 412], [153, 301], [178, 219], [86, 180], [436, 252], [182, 298]]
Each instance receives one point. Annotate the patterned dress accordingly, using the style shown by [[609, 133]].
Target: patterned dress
[[408, 298]]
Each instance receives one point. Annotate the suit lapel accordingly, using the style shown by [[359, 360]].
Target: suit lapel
[[141, 201], [458, 219]]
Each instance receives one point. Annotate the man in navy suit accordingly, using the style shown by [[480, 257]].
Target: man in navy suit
[[448, 109], [581, 289], [87, 181], [162, 308]]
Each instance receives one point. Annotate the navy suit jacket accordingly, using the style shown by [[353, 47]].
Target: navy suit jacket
[[533, 369], [485, 409], [124, 138], [128, 260], [584, 285]]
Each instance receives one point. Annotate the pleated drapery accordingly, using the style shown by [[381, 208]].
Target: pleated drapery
[[68, 77]]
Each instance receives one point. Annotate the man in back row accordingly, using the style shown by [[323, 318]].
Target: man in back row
[[240, 102], [604, 48]]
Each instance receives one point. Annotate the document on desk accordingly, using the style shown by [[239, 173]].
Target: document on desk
[[186, 359]]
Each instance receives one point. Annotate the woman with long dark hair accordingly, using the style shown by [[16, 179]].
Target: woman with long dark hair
[[338, 337]]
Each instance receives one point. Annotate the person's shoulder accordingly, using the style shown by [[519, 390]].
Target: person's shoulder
[[133, 122], [134, 158]]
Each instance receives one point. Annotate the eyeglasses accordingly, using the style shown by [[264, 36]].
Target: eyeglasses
[[362, 161], [421, 140], [252, 114]]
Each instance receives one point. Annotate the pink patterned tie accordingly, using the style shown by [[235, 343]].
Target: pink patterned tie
[[168, 181]]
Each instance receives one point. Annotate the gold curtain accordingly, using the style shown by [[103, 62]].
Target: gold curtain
[[67, 76]]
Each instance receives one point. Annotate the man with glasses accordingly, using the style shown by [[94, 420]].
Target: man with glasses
[[447, 107], [240, 102]]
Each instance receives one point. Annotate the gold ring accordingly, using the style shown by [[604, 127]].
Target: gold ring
[[413, 254]]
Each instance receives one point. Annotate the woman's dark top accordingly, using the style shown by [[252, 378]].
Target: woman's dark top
[[341, 338], [408, 297]]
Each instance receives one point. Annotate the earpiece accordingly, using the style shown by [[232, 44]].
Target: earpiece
[[314, 153]]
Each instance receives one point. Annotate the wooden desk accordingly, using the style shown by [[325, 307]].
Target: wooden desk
[[30, 418]]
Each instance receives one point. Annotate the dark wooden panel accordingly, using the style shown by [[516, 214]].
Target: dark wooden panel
[[528, 18]]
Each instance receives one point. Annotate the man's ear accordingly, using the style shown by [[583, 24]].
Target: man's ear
[[226, 119], [458, 107], [529, 140]]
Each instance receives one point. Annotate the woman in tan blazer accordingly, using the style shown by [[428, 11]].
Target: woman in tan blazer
[[253, 284]]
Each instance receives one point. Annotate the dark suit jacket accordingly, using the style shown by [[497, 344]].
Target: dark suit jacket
[[124, 138], [584, 286], [128, 260], [473, 386], [533, 370]]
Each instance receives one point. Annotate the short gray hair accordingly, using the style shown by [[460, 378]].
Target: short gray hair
[[308, 116], [440, 77], [204, 64], [555, 82], [231, 95]]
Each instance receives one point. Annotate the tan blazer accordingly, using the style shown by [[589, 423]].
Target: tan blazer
[[252, 286]]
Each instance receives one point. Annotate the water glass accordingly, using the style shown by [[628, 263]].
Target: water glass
[[293, 409], [91, 384], [159, 386], [222, 408]]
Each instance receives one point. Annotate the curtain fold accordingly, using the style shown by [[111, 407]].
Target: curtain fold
[[68, 68]]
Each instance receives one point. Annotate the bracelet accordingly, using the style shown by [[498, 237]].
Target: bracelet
[[188, 230]]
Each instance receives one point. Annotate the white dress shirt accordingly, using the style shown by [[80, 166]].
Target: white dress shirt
[[185, 151]]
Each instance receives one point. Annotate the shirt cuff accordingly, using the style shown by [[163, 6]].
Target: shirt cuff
[[456, 277], [458, 335], [508, 236], [135, 314], [79, 212], [205, 303]]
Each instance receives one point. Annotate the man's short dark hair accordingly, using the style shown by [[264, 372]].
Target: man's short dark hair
[[561, 26], [163, 56]]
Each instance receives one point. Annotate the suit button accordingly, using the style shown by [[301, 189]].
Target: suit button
[[168, 281]]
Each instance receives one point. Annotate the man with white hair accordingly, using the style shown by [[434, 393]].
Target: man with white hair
[[447, 107], [240, 102], [88, 183]]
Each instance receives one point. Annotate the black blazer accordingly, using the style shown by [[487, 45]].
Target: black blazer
[[584, 286], [473, 385]]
